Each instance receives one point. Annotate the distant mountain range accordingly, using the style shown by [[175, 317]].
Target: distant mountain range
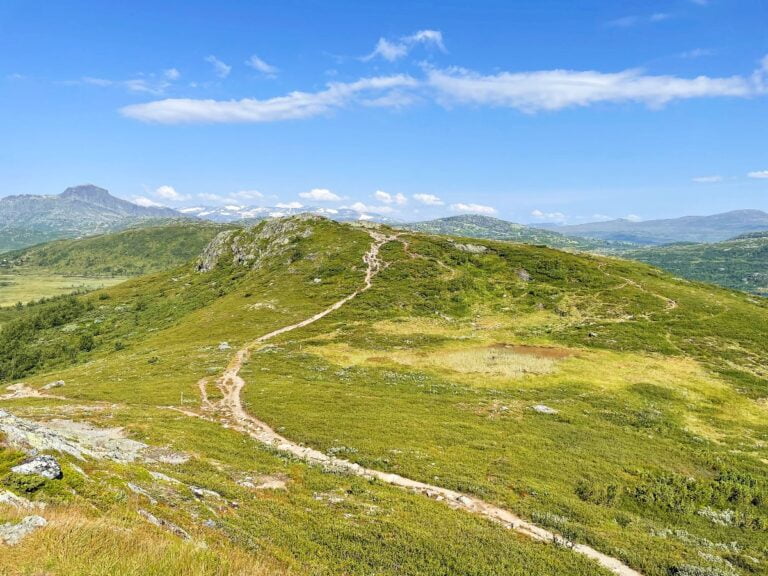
[[715, 228], [486, 227], [236, 213], [81, 210]]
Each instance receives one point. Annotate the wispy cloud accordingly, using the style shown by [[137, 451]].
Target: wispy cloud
[[320, 195], [392, 50], [473, 208], [558, 89], [294, 106], [428, 199], [630, 21], [759, 174], [707, 179], [261, 66], [172, 74], [143, 85], [221, 69], [169, 193], [146, 202], [696, 53]]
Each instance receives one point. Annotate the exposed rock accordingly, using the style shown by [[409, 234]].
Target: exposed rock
[[43, 465], [170, 526], [542, 409], [471, 248], [80, 440], [251, 247], [524, 275], [55, 384], [203, 492], [11, 534], [141, 492], [10, 499], [224, 346]]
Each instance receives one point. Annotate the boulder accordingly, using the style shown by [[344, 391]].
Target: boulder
[[11, 534], [55, 384], [542, 409], [44, 465]]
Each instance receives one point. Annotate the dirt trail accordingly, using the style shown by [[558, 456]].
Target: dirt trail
[[231, 384]]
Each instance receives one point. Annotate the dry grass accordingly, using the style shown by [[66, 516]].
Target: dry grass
[[493, 361], [75, 542]]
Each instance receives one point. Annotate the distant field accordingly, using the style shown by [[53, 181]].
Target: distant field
[[26, 287]]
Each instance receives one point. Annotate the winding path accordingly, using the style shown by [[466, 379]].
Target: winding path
[[231, 384]]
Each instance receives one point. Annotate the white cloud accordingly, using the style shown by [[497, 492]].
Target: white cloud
[[388, 198], [473, 208], [428, 199], [146, 202], [632, 218], [760, 174], [361, 207], [295, 105], [392, 50], [172, 74], [145, 85], [320, 195], [557, 89], [289, 205], [707, 179], [558, 217], [221, 69], [169, 193], [261, 66]]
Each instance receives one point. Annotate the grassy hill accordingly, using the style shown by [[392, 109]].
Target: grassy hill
[[130, 252], [486, 227], [740, 263], [600, 399]]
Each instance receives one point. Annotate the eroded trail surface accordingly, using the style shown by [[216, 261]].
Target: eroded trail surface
[[231, 385]]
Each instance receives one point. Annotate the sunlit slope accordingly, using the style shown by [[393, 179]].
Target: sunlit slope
[[653, 449], [130, 252]]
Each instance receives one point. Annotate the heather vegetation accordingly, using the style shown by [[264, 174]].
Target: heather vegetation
[[601, 399]]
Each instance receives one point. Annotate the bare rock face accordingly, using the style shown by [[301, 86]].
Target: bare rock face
[[251, 247], [471, 248], [11, 534], [44, 465]]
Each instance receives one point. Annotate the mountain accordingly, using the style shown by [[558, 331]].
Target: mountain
[[78, 211], [129, 252], [740, 263], [309, 397], [714, 228], [238, 213], [477, 226]]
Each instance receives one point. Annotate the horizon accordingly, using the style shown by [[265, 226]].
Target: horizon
[[543, 114]]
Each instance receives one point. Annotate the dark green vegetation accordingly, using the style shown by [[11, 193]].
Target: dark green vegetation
[[740, 263], [714, 228], [128, 253], [82, 210], [486, 227], [656, 455]]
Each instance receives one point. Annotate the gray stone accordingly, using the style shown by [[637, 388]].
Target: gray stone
[[11, 534], [55, 384], [542, 409], [43, 465]]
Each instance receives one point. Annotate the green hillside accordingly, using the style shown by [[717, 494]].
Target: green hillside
[[740, 263], [486, 227], [128, 253], [601, 400]]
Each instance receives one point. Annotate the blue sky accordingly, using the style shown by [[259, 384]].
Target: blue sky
[[535, 111]]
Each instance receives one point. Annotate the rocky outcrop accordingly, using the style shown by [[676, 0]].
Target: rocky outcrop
[[13, 533], [52, 385], [43, 465], [251, 247]]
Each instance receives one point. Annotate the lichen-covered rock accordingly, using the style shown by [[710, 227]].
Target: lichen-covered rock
[[13, 533], [251, 247], [55, 384], [471, 248], [43, 465]]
